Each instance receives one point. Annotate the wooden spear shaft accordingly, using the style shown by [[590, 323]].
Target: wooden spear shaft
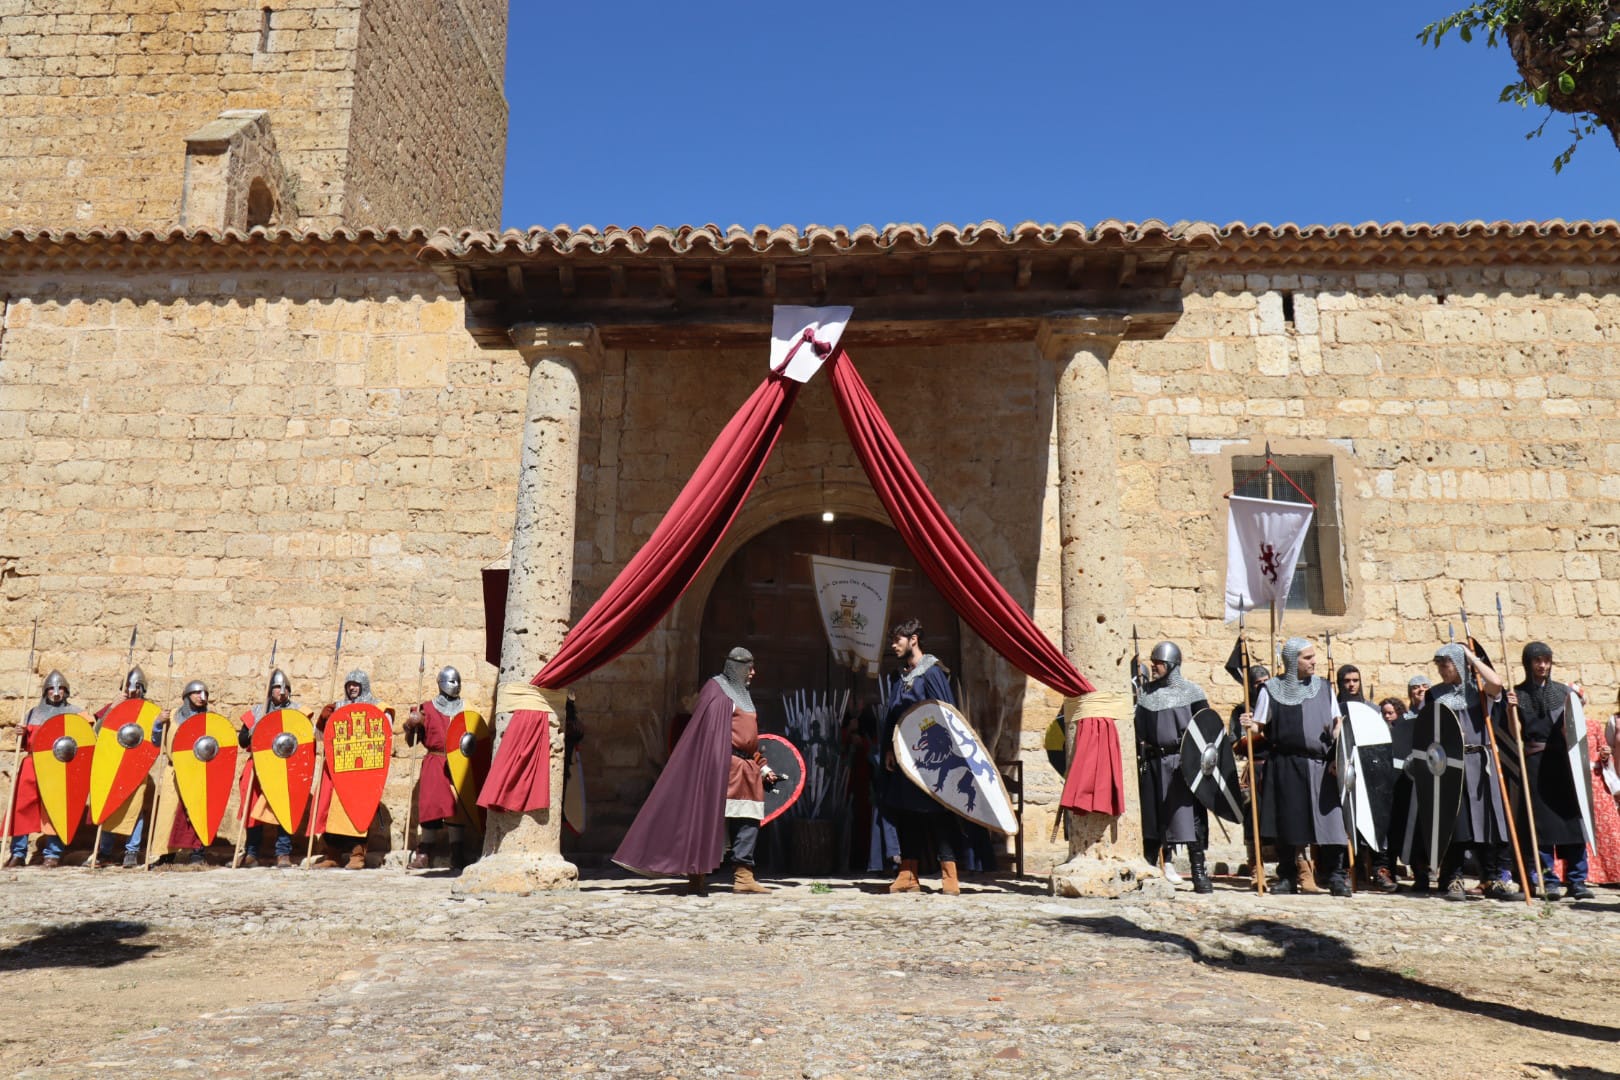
[[1524, 769], [1258, 863], [159, 782], [1501, 781]]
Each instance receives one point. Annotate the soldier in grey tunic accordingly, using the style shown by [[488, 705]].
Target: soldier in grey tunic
[[1481, 819], [1299, 803], [1171, 815]]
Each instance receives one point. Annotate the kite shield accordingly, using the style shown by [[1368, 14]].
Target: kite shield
[[1366, 767], [64, 755], [468, 749], [204, 757], [284, 763], [125, 754], [1436, 768], [1575, 738], [934, 738], [359, 741]]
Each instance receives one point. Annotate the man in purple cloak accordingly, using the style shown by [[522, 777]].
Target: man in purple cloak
[[714, 779]]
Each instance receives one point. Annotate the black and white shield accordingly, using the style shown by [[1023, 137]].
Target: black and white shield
[[1366, 766], [1436, 768], [787, 763], [1208, 766], [1575, 739]]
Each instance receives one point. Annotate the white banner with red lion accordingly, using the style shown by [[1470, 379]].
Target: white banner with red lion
[[1263, 542]]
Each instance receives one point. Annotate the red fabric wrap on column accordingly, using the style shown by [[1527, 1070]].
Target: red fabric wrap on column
[[961, 576], [1096, 780], [520, 776]]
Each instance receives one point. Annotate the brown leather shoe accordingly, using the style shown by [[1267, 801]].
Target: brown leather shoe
[[283, 862], [50, 862], [331, 858], [906, 880], [12, 863], [357, 857], [697, 885], [420, 860], [742, 881], [949, 883]]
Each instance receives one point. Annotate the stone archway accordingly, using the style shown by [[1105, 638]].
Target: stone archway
[[763, 599]]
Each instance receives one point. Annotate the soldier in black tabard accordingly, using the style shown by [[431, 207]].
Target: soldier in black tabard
[[1299, 800], [1481, 819], [1171, 814], [1560, 825]]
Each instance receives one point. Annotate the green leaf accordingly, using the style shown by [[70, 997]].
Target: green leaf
[[1466, 34], [1540, 94], [1566, 83]]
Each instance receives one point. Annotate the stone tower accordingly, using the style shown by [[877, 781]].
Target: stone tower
[[300, 113]]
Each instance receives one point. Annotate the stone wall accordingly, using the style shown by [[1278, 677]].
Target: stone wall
[[1470, 417], [229, 462], [96, 101], [428, 138]]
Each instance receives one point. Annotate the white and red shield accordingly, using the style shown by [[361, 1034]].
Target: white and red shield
[[284, 763], [359, 740], [468, 747], [64, 754], [125, 754], [204, 757]]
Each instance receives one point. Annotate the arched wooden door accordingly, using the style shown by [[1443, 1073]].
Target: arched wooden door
[[764, 600]]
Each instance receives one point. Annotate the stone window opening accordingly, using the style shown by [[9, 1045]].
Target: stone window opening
[[261, 204], [1319, 581], [1288, 306], [264, 31]]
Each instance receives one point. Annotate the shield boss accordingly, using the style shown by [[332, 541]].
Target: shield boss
[[206, 748], [284, 745], [468, 744], [1437, 759], [130, 736], [64, 749]]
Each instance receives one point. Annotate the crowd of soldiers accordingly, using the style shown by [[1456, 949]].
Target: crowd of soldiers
[[1463, 773], [139, 771]]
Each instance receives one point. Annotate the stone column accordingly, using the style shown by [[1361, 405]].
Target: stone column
[[1105, 853], [523, 852]]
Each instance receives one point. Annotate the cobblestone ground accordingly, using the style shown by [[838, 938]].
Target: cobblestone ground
[[267, 973]]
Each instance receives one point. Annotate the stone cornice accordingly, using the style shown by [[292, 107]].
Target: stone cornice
[[1397, 246], [203, 251]]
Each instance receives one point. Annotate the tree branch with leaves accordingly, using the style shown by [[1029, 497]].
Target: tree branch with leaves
[[1567, 53]]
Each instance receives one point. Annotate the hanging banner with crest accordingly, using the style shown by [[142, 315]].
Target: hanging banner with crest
[[1264, 539], [853, 598]]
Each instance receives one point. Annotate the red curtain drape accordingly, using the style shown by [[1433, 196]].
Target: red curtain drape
[[520, 776], [962, 578]]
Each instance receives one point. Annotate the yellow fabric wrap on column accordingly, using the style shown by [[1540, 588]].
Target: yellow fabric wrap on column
[[1116, 705], [513, 696]]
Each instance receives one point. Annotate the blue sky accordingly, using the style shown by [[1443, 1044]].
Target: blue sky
[[843, 113]]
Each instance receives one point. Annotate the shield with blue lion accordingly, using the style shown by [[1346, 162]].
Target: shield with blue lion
[[939, 751]]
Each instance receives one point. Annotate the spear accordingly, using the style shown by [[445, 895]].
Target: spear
[[1259, 867], [320, 743], [245, 790], [410, 803], [1501, 781], [16, 753], [123, 687], [1524, 770], [163, 742]]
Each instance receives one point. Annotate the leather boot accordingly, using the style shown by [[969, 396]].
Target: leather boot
[[331, 858], [949, 883], [1305, 872], [697, 885], [742, 881], [1200, 871], [906, 879], [357, 857], [421, 858]]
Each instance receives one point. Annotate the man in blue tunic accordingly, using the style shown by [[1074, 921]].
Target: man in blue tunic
[[1299, 802], [918, 819], [1171, 814]]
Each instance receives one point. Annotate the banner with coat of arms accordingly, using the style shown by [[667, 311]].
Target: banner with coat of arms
[[853, 598]]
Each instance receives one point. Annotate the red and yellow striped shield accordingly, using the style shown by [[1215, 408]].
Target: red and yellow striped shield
[[284, 762], [125, 754], [359, 740], [64, 749], [467, 748], [204, 757]]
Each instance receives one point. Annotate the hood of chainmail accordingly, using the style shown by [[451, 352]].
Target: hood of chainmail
[[738, 694], [1288, 688], [45, 710], [1538, 702], [448, 707], [186, 712], [366, 696], [261, 711], [1453, 696], [1169, 692]]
